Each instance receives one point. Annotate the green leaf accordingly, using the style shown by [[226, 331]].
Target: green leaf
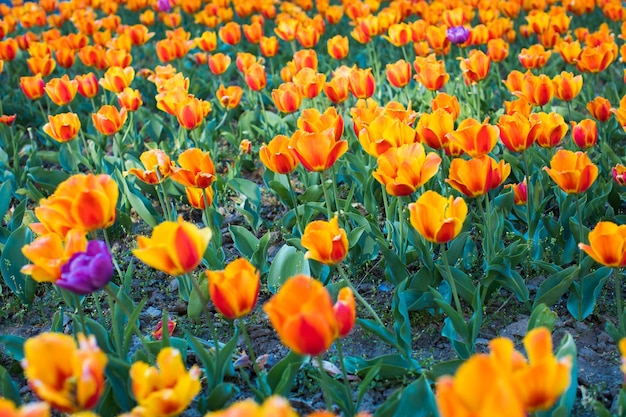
[[8, 388], [117, 373], [101, 334], [11, 262], [282, 375], [248, 188], [464, 284], [13, 345], [552, 289], [592, 286], [288, 262], [373, 327], [194, 308], [444, 368], [141, 205], [402, 324], [389, 366], [6, 190], [542, 316], [416, 400], [219, 396], [245, 242], [48, 179]]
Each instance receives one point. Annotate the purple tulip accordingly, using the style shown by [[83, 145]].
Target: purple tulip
[[457, 34], [164, 5], [87, 271]]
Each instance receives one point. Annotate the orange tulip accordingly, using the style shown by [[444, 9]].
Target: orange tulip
[[207, 41], [345, 311], [569, 51], [93, 56], [218, 63], [130, 99], [404, 169], [287, 97], [305, 58], [432, 128], [38, 409], [448, 103], [84, 202], [437, 218], [234, 291], [244, 60], [157, 164], [286, 29], [399, 73], [33, 87], [573, 172], [385, 132], [123, 58], [476, 67], [256, 77], [268, 46], [230, 33], [277, 156], [196, 169], [108, 120], [65, 57], [307, 36], [253, 32], [196, 197], [309, 82], [475, 138], [312, 121], [596, 59], [619, 174], [362, 83], [175, 248], [437, 39], [584, 133], [338, 47], [534, 57], [430, 72], [567, 86], [607, 245], [229, 97], [8, 49], [61, 90], [520, 193], [497, 49], [191, 112], [116, 79], [317, 151], [337, 89], [600, 109], [547, 129], [326, 242], [87, 85], [515, 80], [49, 252], [477, 176], [515, 132], [538, 90], [303, 316], [62, 127]]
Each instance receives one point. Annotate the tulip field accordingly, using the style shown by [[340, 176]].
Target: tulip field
[[312, 208]]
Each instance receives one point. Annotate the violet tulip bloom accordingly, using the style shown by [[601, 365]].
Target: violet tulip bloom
[[457, 34], [87, 271]]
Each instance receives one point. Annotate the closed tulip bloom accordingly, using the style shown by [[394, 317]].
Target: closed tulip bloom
[[85, 202], [430, 73], [547, 129], [515, 132], [534, 57], [312, 121], [432, 128], [475, 68], [255, 77], [475, 138], [207, 41], [338, 47], [253, 32], [585, 133], [157, 164], [175, 248], [61, 90], [42, 66], [305, 58], [49, 252], [8, 409], [244, 60], [567, 86], [196, 169], [399, 34], [385, 132], [596, 59], [286, 29], [303, 316], [437, 38], [33, 87], [234, 291], [437, 218], [521, 106], [268, 46], [62, 127], [88, 271], [218, 63], [87, 85], [538, 90], [448, 103], [345, 311], [277, 156], [68, 377], [514, 81], [167, 389], [129, 99], [337, 89], [399, 73], [325, 241], [520, 192], [607, 244], [229, 97], [195, 197], [477, 176], [309, 82], [317, 151], [573, 172], [287, 97], [619, 174], [116, 79], [497, 49], [307, 36], [191, 113], [362, 83], [230, 33], [109, 120], [404, 169], [600, 109]]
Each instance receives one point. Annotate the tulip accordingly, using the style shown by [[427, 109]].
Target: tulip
[[33, 87], [165, 390], [515, 132], [477, 176], [404, 169], [196, 197], [399, 73], [430, 73], [93, 56], [8, 120], [384, 133], [42, 66], [234, 291], [87, 85], [158, 331], [538, 90], [619, 174], [196, 169], [338, 47], [345, 311], [207, 41], [277, 156], [521, 106], [229, 97], [122, 57], [287, 97], [88, 271], [325, 241], [596, 59], [585, 133], [62, 127], [569, 51], [85, 202], [303, 316], [8, 409], [218, 63], [108, 120], [129, 99], [116, 79], [65, 57], [476, 67], [534, 57], [362, 83], [253, 32], [448, 103], [191, 112], [607, 244], [312, 121], [286, 29], [307, 36], [497, 49], [475, 138], [48, 253], [255, 77], [547, 129], [399, 34], [520, 192], [175, 248], [600, 109], [567, 86], [305, 58], [515, 80], [268, 46], [337, 89], [573, 172], [317, 151], [309, 82], [230, 33], [437, 39], [61, 90], [244, 60], [436, 218], [157, 164]]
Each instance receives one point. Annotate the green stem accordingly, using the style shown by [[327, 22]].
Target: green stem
[[81, 313], [386, 204], [96, 301], [328, 207], [529, 201], [477, 101], [265, 389], [266, 129], [450, 278], [400, 229], [110, 248], [336, 192], [344, 373], [205, 310], [294, 198], [580, 256], [358, 296], [618, 301], [324, 382]]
